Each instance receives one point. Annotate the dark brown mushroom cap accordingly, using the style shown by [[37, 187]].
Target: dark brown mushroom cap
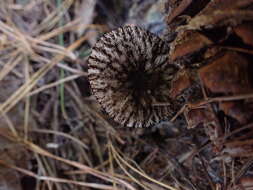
[[128, 72]]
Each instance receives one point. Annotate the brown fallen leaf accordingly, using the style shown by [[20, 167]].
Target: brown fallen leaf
[[220, 13], [181, 81], [239, 148], [230, 73], [241, 111], [245, 32], [188, 42]]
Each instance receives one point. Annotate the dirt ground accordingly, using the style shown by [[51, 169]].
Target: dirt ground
[[54, 133]]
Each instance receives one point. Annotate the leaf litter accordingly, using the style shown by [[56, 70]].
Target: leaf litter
[[207, 145]]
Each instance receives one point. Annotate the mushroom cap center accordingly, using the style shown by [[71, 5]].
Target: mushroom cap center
[[129, 71]]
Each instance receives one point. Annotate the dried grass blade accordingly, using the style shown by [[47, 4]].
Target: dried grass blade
[[24, 89]]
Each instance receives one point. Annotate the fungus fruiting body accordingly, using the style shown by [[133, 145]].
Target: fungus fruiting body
[[128, 73]]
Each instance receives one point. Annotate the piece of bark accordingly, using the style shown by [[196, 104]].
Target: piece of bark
[[188, 42], [228, 74]]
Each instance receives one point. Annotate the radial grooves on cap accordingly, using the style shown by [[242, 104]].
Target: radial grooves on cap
[[128, 72]]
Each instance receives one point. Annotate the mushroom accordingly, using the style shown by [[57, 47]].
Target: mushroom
[[129, 72]]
